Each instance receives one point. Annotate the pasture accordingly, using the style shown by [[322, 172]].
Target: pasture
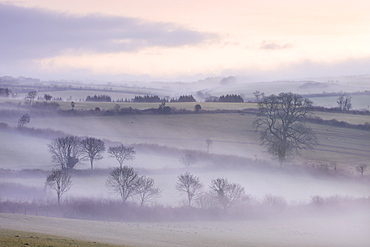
[[321, 231], [346, 117], [359, 102], [16, 238], [232, 133], [164, 138]]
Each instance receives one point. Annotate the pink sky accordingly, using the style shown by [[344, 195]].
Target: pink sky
[[187, 39]]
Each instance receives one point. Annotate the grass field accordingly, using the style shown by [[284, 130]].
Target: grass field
[[210, 106], [15, 238], [232, 134], [324, 231], [346, 117], [359, 102]]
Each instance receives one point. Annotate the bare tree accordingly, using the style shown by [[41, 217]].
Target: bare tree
[[209, 142], [93, 148], [361, 168], [60, 181], [258, 95], [228, 194], [344, 102], [206, 200], [334, 165], [47, 97], [66, 151], [123, 180], [116, 109], [277, 202], [122, 153], [280, 125], [30, 97], [189, 184], [24, 119], [190, 158], [145, 189]]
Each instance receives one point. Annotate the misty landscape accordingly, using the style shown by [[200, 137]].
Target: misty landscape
[[171, 153]]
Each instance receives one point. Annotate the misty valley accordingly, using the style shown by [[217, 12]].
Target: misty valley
[[154, 167]]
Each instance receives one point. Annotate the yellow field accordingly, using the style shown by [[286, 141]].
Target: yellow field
[[346, 117]]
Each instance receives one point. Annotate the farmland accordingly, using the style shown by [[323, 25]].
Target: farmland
[[160, 141], [311, 231], [14, 238], [232, 133]]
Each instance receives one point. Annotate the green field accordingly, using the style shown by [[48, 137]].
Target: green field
[[15, 238], [232, 133]]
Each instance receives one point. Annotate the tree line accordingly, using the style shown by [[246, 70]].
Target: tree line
[[226, 98], [157, 99], [5, 92], [99, 98], [124, 180]]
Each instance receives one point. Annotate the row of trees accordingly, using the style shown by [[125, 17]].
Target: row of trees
[[150, 99], [99, 98], [69, 150], [5, 92], [127, 183], [221, 192], [226, 98], [184, 98], [157, 99]]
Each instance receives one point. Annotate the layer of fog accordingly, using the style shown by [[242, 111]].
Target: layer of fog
[[294, 187], [26, 152]]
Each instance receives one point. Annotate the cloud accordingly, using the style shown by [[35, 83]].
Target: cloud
[[28, 33], [271, 45]]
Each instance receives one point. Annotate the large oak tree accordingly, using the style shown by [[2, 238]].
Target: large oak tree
[[281, 127]]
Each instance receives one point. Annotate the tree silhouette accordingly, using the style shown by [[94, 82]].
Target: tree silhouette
[[209, 142], [24, 119], [344, 102], [197, 107], [189, 184], [145, 189], [280, 125], [93, 148], [47, 97], [228, 194], [122, 153], [60, 181], [123, 180], [30, 97], [66, 151], [190, 158]]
